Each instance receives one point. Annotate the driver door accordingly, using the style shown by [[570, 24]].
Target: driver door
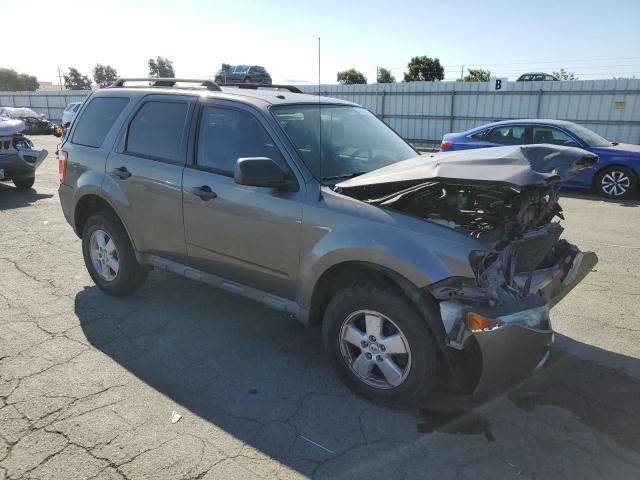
[[250, 235]]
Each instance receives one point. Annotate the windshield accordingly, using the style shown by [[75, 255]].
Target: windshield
[[241, 69], [23, 112], [354, 141], [587, 136]]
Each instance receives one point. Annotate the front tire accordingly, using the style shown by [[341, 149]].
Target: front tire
[[616, 182], [380, 345], [24, 183], [109, 255]]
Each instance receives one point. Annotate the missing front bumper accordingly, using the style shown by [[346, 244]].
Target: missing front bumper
[[496, 358], [509, 355]]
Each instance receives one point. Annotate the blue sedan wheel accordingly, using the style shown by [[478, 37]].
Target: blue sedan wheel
[[616, 182]]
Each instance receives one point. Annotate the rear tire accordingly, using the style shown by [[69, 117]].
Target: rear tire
[[381, 373], [113, 267], [616, 182], [24, 183]]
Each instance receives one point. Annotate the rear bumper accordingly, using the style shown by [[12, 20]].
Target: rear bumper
[[21, 164], [65, 193]]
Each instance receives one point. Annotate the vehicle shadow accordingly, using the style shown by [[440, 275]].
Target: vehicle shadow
[[11, 197], [634, 201], [231, 361]]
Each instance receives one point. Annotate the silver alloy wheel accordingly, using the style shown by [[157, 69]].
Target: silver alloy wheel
[[615, 183], [104, 255], [375, 349]]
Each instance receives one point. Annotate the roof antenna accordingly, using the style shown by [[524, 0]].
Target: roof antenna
[[320, 125]]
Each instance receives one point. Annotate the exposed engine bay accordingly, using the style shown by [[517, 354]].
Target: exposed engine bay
[[506, 197], [494, 214]]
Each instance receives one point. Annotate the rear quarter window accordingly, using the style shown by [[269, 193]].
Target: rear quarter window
[[97, 119], [157, 130]]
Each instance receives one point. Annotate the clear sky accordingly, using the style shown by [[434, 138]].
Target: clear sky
[[595, 39]]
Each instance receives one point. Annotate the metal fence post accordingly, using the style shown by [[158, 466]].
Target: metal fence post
[[453, 103], [539, 103], [382, 105]]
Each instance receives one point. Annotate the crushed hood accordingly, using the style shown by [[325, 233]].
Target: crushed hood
[[513, 165], [11, 127]]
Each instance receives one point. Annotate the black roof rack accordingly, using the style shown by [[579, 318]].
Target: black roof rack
[[168, 82], [255, 86]]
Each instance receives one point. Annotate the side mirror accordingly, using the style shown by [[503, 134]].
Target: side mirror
[[261, 172]]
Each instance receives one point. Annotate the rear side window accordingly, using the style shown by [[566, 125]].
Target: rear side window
[[481, 135], [97, 119], [157, 130]]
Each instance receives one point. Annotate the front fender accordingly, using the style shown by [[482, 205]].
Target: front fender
[[421, 259]]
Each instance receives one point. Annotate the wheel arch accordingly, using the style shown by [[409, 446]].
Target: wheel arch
[[92, 203], [351, 273]]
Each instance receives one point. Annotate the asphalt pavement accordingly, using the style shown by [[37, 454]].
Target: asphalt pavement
[[183, 381]]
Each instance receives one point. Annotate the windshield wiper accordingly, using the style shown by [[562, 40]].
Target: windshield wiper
[[613, 144], [347, 175]]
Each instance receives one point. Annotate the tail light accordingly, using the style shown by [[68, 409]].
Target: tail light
[[62, 166], [446, 145]]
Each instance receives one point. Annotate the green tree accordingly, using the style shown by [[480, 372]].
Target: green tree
[[10, 80], [477, 75], [104, 75], [74, 80], [424, 69], [385, 76], [161, 68], [564, 75], [351, 77]]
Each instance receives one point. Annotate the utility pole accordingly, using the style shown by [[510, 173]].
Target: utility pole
[[59, 78], [462, 72]]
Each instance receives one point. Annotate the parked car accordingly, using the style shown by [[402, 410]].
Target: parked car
[[536, 77], [35, 123], [18, 159], [242, 74], [70, 112], [615, 175], [420, 270]]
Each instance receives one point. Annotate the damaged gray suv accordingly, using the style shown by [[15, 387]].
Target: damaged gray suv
[[422, 271]]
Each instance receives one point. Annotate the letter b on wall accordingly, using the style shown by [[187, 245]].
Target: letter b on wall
[[498, 84]]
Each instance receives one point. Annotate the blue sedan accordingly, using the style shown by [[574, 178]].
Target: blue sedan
[[615, 175]]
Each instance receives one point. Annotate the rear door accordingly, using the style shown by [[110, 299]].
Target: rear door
[[144, 173], [250, 235]]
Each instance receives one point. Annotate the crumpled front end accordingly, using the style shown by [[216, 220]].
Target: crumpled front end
[[498, 325]]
